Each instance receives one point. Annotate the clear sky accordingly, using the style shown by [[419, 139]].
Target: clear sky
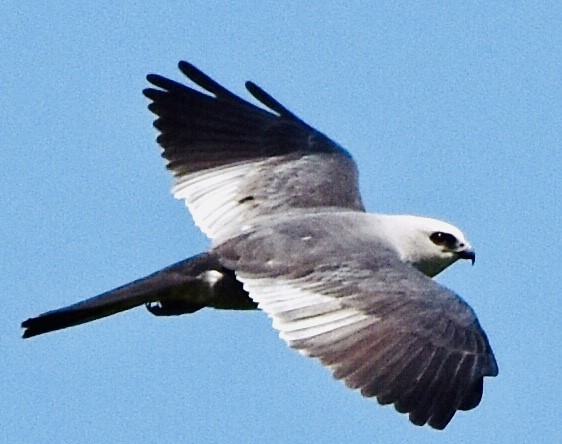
[[450, 111]]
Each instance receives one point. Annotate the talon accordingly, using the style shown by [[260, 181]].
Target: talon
[[155, 308], [169, 308]]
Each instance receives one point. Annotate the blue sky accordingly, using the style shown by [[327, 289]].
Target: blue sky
[[450, 111]]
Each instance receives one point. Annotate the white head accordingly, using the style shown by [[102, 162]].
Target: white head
[[430, 245]]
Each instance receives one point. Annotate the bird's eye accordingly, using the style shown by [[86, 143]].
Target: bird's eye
[[443, 239]]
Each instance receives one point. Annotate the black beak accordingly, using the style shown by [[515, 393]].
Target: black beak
[[468, 254]]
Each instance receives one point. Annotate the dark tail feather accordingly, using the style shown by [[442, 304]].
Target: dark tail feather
[[179, 288]]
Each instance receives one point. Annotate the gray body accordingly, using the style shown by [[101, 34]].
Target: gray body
[[280, 202]]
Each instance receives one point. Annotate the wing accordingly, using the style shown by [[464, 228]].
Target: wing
[[233, 161], [376, 322]]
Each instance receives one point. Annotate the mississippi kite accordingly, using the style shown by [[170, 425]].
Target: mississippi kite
[[281, 204]]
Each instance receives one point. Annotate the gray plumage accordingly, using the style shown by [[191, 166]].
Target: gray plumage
[[281, 204], [410, 341]]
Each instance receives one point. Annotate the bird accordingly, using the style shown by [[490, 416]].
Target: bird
[[290, 236]]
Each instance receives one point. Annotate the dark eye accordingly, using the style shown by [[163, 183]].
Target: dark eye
[[443, 239]]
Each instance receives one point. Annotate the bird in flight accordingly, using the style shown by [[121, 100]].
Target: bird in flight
[[290, 236]]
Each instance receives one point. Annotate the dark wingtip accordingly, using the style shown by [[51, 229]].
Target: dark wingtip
[[189, 69], [474, 396], [148, 92], [268, 100], [493, 369], [204, 81], [152, 78]]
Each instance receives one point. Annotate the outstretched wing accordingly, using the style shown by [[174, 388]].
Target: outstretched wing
[[233, 161], [376, 322]]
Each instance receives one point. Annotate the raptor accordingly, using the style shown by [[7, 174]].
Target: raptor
[[290, 236]]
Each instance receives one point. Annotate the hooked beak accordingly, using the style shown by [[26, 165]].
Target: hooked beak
[[467, 253]]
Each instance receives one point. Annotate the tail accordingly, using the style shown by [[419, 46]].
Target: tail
[[185, 287]]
